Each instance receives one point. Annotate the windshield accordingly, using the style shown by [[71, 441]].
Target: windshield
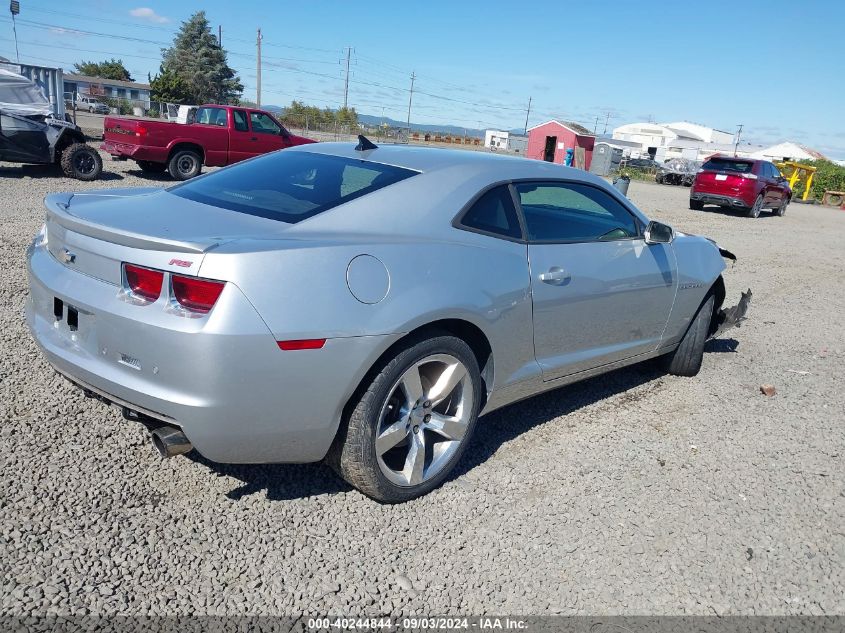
[[728, 164], [290, 186]]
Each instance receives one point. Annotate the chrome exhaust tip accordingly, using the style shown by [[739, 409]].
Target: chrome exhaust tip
[[170, 442]]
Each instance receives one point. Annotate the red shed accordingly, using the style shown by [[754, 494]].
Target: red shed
[[550, 140]]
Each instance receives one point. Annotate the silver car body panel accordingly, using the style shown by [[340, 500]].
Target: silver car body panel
[[239, 398]]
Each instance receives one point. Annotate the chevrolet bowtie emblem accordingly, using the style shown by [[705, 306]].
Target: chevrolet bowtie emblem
[[68, 256]]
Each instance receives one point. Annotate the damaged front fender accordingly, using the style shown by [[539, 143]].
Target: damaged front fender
[[727, 318]]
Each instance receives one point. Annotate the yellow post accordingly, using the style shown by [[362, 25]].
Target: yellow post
[[807, 188]]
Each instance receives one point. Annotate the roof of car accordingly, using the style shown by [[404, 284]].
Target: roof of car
[[431, 159]]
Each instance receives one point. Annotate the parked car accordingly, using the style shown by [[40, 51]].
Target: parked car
[[218, 135], [740, 183], [29, 133], [362, 305], [90, 104]]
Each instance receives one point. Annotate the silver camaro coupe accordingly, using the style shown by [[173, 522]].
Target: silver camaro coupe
[[360, 304]]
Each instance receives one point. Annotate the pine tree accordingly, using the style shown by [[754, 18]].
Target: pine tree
[[199, 61]]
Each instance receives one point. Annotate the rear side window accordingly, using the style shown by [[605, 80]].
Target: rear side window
[[211, 116], [290, 186], [494, 213], [728, 164], [239, 117]]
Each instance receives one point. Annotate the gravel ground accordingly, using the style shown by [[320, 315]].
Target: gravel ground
[[633, 493]]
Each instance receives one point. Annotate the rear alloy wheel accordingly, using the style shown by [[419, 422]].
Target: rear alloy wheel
[[410, 426], [81, 161], [696, 205], [184, 164], [781, 210], [150, 167], [754, 211], [687, 357]]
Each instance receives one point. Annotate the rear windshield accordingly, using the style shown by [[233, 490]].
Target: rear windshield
[[728, 164], [290, 186]]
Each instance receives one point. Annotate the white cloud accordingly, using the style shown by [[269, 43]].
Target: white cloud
[[145, 13]]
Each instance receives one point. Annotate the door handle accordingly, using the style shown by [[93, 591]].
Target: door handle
[[556, 276]]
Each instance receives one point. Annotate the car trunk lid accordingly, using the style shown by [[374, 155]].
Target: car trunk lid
[[723, 175], [94, 233]]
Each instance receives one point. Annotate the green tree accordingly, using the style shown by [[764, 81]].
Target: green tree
[[828, 177], [109, 69], [197, 58], [169, 87]]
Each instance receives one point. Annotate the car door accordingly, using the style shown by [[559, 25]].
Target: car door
[[600, 293], [269, 135], [241, 140], [778, 185]]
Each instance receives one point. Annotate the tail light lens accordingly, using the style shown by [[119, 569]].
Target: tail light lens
[[197, 295], [140, 131], [144, 282], [310, 343]]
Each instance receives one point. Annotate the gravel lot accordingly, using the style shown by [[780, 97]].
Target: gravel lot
[[634, 493]]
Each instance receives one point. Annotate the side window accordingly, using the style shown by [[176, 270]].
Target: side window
[[263, 124], [494, 213], [239, 117], [775, 173], [573, 212], [211, 116]]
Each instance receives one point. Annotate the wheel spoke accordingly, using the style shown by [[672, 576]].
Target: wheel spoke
[[412, 386], [414, 470], [449, 426], [391, 436], [446, 383]]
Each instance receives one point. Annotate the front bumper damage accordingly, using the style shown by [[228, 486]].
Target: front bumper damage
[[727, 318]]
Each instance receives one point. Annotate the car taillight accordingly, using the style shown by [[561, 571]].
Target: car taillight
[[197, 295], [140, 131], [144, 282]]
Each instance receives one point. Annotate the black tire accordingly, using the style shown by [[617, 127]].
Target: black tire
[[696, 205], [781, 210], [150, 167], [754, 211], [184, 164], [81, 161], [353, 455], [687, 357], [90, 110]]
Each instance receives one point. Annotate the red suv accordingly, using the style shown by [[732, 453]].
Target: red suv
[[740, 183]]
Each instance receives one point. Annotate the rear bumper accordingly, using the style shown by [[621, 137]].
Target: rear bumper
[[720, 199], [135, 152], [221, 378]]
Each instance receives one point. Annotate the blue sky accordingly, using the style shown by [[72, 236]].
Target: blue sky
[[776, 66]]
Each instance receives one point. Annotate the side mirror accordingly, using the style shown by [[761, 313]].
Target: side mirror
[[658, 233]]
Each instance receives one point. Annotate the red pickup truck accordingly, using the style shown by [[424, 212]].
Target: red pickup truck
[[219, 135]]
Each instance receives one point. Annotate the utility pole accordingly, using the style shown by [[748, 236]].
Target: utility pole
[[220, 35], [14, 9], [527, 112], [258, 71], [346, 87], [595, 125], [738, 134], [606, 119], [410, 99]]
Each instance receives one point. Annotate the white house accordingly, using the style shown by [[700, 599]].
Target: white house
[[499, 139], [136, 94], [681, 139], [788, 151]]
